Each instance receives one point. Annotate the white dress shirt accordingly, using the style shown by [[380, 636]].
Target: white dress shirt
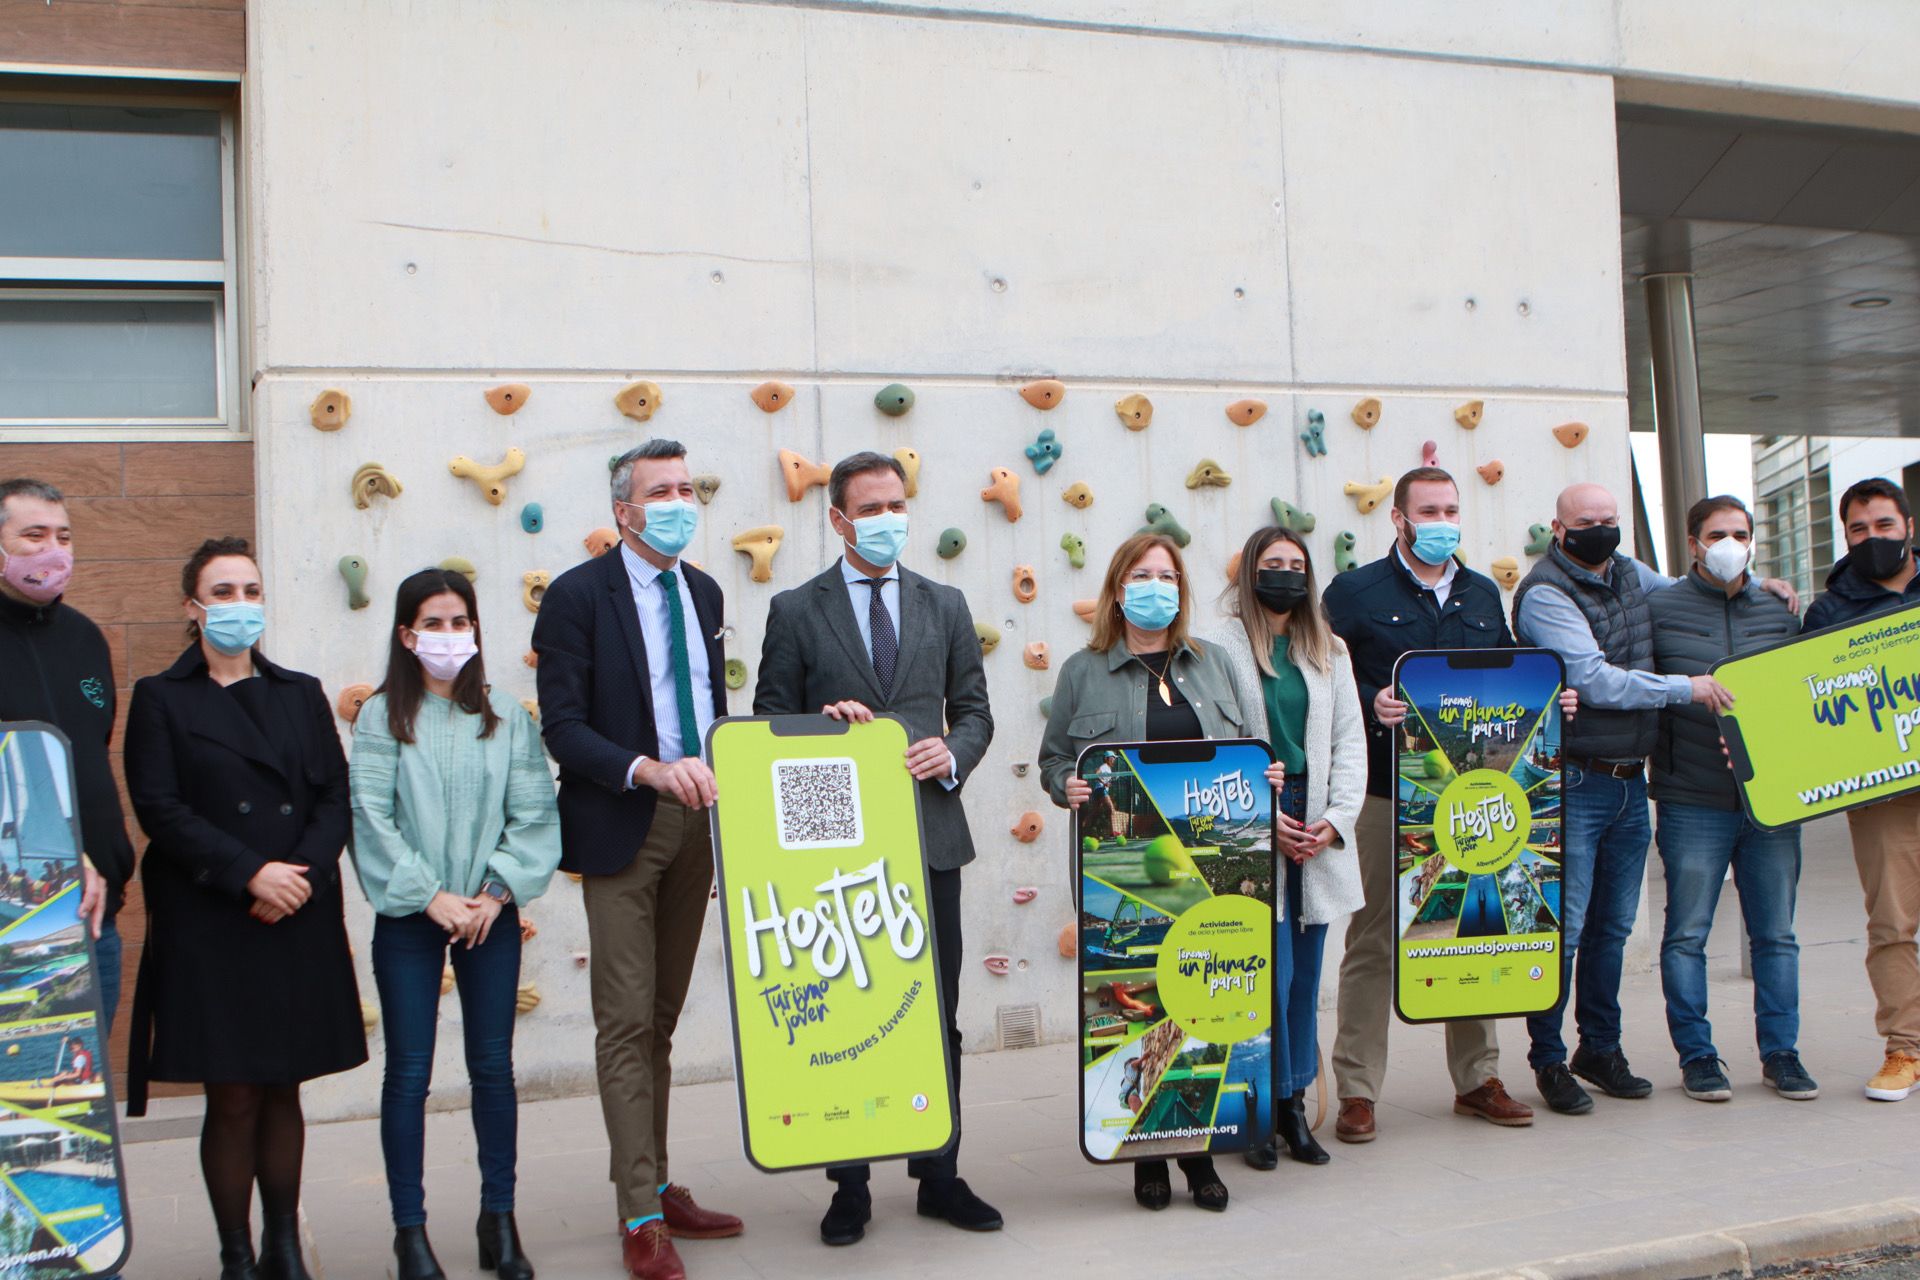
[[650, 600], [1441, 589]]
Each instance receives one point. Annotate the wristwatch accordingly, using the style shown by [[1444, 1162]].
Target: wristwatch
[[498, 892]]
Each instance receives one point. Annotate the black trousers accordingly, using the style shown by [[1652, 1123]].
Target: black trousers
[[943, 888]]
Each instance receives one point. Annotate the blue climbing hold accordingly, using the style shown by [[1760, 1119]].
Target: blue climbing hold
[[1315, 435], [1044, 452], [531, 518]]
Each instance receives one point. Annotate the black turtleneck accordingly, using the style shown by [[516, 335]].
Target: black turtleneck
[[55, 666]]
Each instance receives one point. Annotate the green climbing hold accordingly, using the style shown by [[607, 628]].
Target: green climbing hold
[[989, 636], [1076, 549], [462, 566], [1292, 518], [1160, 520], [1315, 434], [1343, 557], [894, 399], [354, 570], [531, 518], [1044, 452], [952, 543], [1539, 538], [736, 674], [1046, 706]]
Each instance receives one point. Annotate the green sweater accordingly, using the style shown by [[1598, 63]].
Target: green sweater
[[1286, 697]]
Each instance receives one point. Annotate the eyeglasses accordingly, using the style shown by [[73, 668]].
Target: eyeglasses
[[1167, 576]]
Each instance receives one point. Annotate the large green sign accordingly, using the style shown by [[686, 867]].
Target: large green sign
[[840, 1044], [1827, 722]]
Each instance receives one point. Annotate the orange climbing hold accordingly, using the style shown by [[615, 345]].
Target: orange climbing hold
[[1035, 655], [800, 475], [638, 400], [600, 541], [1492, 472], [508, 398], [758, 545], [1044, 394], [1025, 585], [1028, 826], [772, 397], [1083, 609], [352, 698], [1245, 413], [1571, 434], [1004, 490]]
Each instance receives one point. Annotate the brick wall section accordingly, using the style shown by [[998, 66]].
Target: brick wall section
[[138, 511]]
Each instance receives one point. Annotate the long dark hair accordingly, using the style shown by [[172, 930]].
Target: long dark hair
[[203, 555], [405, 686]]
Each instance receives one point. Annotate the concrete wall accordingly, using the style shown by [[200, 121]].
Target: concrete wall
[[450, 195]]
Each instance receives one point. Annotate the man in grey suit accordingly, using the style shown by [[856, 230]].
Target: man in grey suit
[[867, 636]]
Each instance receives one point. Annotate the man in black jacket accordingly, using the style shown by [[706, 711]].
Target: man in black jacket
[[1417, 596], [55, 666]]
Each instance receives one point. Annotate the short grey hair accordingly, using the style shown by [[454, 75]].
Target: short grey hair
[[658, 447], [23, 487], [859, 464]]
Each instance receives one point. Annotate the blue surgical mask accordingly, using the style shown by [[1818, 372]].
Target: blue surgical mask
[[1151, 606], [670, 525], [1436, 541], [233, 628], [880, 539]]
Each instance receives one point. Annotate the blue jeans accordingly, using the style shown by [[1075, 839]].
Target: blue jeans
[[1696, 845], [1604, 838], [106, 959], [1296, 972], [409, 955]]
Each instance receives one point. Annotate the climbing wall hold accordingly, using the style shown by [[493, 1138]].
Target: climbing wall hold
[[1076, 548], [638, 400], [1160, 520], [527, 998], [330, 410], [532, 707], [758, 545], [600, 541], [1077, 495], [1035, 655], [1046, 706], [1044, 452], [354, 570], [531, 518], [1429, 453], [1343, 557], [508, 398], [909, 460], [1492, 471], [705, 486], [492, 478], [532, 658], [1506, 571], [1570, 434], [1135, 411], [369, 1015], [1024, 894], [1083, 609], [989, 636], [997, 965], [371, 479], [1366, 414], [528, 930], [800, 474], [1028, 826], [533, 588], [1539, 538], [1209, 473], [893, 399], [1068, 943], [1369, 496], [460, 565], [1025, 585], [772, 397], [352, 698], [1043, 394], [1245, 413], [1468, 414], [1233, 567], [952, 543], [1292, 518], [736, 674], [1004, 490], [1314, 436]]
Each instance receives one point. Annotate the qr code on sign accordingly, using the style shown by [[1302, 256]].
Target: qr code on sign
[[816, 803]]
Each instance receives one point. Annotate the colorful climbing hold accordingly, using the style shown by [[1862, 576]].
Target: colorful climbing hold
[[1076, 548], [532, 707], [1035, 655], [909, 460], [600, 541], [1044, 394], [772, 397], [1343, 557], [989, 636], [1027, 827], [1005, 490], [1077, 495], [532, 658], [1245, 413], [460, 565], [533, 588], [1570, 434], [352, 698], [1491, 472], [1068, 942], [1024, 894], [893, 399], [758, 544], [492, 478], [1046, 706], [1044, 452], [1366, 414], [508, 399], [1292, 518], [1468, 414], [1025, 585], [1160, 520], [952, 543], [354, 570], [997, 964], [1084, 609], [1209, 474], [372, 479], [736, 674], [1506, 571], [1369, 496], [531, 518], [1539, 538], [1135, 411], [638, 400], [1429, 453], [801, 474], [705, 486], [330, 410], [1314, 436]]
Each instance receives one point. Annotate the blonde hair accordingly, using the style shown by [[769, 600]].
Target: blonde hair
[[1308, 634], [1109, 624]]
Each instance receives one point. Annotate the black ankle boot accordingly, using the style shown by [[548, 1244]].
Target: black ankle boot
[[236, 1255], [414, 1256], [280, 1249], [1292, 1123], [500, 1246]]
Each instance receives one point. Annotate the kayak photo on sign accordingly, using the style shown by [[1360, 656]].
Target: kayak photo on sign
[[1175, 863]]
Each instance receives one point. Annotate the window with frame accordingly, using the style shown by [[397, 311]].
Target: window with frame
[[117, 271]]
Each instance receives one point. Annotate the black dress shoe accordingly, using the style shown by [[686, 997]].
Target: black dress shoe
[[955, 1202], [500, 1246], [847, 1216], [1152, 1188], [1204, 1184], [413, 1256], [280, 1248], [1610, 1073], [1561, 1091], [1263, 1156], [1297, 1134], [236, 1255]]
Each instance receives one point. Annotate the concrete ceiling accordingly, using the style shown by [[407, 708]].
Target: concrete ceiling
[[1792, 234]]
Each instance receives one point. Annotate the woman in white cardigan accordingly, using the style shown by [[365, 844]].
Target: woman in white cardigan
[[1294, 681]]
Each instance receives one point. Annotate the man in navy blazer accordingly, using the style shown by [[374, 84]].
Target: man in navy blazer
[[631, 675]]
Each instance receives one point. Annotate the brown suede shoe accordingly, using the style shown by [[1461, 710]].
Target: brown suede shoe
[[688, 1221], [1492, 1103], [649, 1254], [1355, 1123]]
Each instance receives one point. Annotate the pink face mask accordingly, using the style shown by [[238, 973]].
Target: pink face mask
[[41, 576]]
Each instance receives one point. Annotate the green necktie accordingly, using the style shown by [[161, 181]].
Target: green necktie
[[682, 668]]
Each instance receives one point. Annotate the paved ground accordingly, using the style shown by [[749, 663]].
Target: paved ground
[[1435, 1195]]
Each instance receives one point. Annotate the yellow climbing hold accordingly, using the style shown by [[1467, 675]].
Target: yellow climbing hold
[[491, 478]]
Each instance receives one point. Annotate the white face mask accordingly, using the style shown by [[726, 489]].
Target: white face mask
[[1726, 559], [444, 654]]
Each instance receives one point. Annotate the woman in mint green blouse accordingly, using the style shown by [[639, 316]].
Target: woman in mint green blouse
[[454, 828]]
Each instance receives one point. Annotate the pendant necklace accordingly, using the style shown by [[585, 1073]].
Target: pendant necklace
[[1166, 694]]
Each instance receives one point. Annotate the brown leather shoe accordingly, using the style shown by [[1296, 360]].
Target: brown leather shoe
[[649, 1254], [1492, 1103], [1355, 1123], [688, 1221]]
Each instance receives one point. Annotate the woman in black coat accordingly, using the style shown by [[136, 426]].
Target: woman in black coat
[[246, 985]]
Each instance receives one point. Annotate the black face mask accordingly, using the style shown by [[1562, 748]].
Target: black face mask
[[1279, 589], [1594, 544], [1879, 558]]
